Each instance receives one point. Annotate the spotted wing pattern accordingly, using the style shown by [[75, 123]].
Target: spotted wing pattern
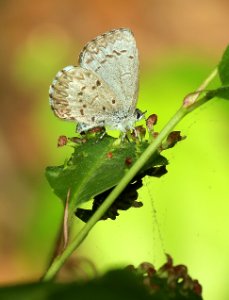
[[114, 57], [79, 94]]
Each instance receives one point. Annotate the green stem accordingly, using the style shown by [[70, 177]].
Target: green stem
[[152, 148], [206, 82]]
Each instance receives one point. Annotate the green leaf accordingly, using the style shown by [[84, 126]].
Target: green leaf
[[223, 71], [114, 285], [96, 166], [223, 67], [169, 282], [221, 92]]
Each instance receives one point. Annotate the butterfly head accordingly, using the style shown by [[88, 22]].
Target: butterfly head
[[139, 114]]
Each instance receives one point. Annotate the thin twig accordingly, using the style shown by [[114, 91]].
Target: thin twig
[[65, 223], [192, 97]]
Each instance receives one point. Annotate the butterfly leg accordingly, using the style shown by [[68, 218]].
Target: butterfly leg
[[82, 127]]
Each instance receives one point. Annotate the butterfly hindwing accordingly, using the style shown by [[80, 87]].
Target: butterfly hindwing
[[79, 94]]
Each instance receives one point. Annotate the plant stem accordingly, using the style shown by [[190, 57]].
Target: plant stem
[[192, 98], [206, 82], [152, 148]]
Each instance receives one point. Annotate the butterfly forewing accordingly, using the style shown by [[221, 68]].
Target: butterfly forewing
[[81, 95], [114, 57]]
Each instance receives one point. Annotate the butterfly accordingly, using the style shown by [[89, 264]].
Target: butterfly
[[103, 89]]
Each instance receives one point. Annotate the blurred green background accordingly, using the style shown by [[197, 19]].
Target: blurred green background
[[180, 43]]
